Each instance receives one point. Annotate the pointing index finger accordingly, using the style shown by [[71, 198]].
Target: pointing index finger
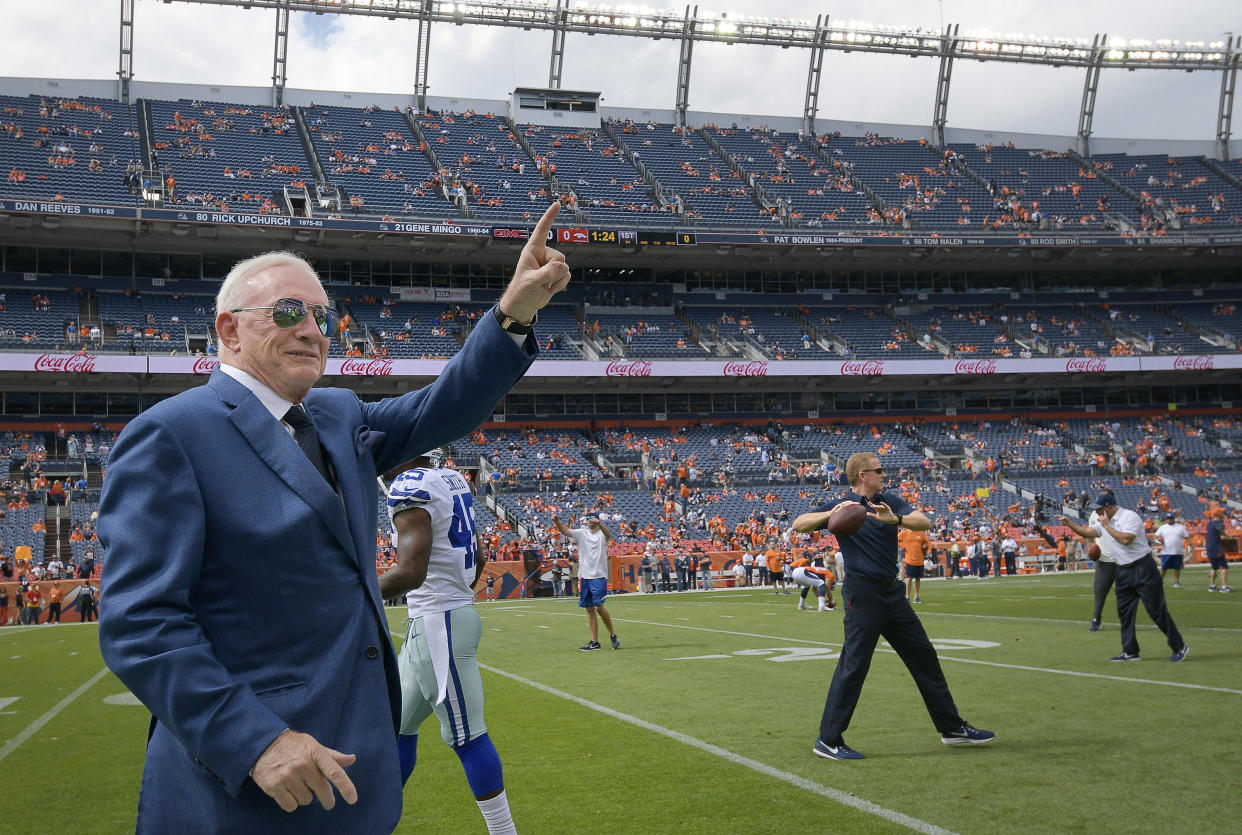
[[540, 236]]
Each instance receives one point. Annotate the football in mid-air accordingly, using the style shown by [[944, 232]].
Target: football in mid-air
[[847, 519], [1093, 552]]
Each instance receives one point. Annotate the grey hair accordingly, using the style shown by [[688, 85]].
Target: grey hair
[[233, 291]]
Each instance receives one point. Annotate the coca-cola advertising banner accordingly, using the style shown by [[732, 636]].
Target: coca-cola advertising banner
[[74, 363], [121, 364]]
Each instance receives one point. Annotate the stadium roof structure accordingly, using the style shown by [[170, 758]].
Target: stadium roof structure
[[562, 17]]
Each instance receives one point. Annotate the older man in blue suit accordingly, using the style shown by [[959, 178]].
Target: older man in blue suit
[[238, 519]]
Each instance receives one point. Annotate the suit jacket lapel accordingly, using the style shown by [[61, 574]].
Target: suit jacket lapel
[[274, 445], [337, 441]]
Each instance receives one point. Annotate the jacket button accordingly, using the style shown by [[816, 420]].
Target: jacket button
[[372, 652]]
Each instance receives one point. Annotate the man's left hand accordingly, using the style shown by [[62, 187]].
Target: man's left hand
[[881, 512], [541, 273]]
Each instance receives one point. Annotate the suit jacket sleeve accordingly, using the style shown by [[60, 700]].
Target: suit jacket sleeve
[[153, 529], [458, 401]]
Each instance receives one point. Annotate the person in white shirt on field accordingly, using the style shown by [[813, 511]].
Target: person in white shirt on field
[[592, 542], [1172, 535], [1137, 579]]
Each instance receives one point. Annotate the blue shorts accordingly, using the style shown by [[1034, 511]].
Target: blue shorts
[[592, 592], [1173, 561], [1218, 562], [914, 572]]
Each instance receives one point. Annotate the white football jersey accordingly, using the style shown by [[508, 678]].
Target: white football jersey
[[446, 496]]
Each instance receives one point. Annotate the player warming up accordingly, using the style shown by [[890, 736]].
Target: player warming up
[[592, 542], [813, 576], [875, 605], [438, 565]]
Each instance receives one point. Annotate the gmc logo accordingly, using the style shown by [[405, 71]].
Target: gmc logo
[[511, 234]]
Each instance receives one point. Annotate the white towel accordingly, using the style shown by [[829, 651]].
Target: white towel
[[435, 628]]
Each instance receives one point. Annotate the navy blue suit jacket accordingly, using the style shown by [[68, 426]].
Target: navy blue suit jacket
[[239, 592]]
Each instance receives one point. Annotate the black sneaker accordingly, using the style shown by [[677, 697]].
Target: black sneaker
[[615, 643], [590, 646], [1094, 627], [1180, 655], [840, 751], [1126, 656], [967, 733]]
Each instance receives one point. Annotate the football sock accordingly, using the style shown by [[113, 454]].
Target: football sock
[[482, 764], [407, 754], [496, 814]]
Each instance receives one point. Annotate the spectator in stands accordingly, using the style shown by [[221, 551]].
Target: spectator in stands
[[199, 637], [87, 567], [875, 604], [4, 605]]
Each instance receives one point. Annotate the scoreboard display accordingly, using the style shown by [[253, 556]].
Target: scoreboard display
[[619, 237]]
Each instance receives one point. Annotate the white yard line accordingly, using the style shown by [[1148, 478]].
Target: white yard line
[[924, 611], [998, 664], [34, 727], [837, 795]]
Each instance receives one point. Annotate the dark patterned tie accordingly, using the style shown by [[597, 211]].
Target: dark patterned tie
[[304, 433]]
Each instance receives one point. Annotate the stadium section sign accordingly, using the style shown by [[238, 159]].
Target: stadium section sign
[[571, 236], [116, 363]]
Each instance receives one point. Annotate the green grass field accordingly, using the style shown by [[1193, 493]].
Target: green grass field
[[704, 721]]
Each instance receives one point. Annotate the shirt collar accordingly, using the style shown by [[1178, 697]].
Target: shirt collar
[[271, 401]]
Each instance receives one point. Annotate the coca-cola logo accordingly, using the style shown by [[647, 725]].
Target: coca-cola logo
[[620, 368], [1093, 364], [205, 365], [975, 367], [367, 368], [66, 363], [862, 368], [1199, 363], [754, 368]]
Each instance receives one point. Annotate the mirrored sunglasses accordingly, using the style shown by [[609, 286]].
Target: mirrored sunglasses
[[287, 313]]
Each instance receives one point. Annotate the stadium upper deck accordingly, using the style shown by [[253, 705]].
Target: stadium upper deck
[[240, 158]]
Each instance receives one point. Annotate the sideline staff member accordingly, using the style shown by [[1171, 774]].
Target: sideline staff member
[[875, 605], [231, 508], [1137, 577]]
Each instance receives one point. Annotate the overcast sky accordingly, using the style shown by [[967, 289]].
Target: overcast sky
[[199, 44]]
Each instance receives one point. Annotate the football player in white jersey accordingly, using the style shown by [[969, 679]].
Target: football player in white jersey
[[438, 564]]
